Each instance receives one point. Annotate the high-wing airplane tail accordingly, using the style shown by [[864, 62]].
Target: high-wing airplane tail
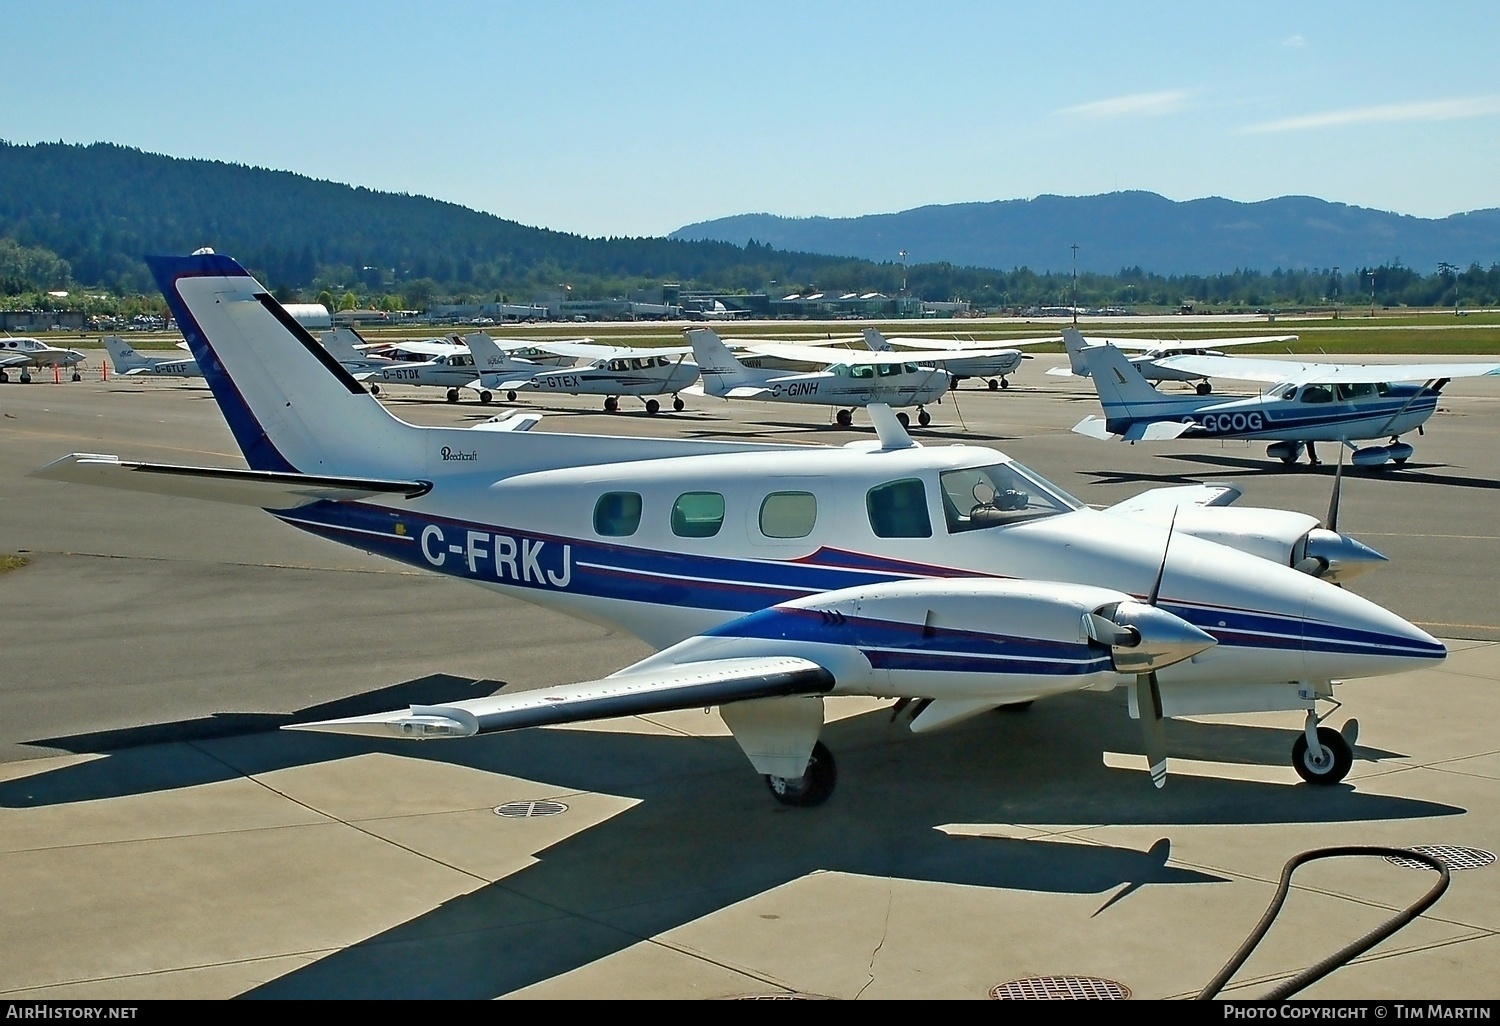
[[877, 343], [341, 342], [1122, 390], [721, 372], [125, 359], [1074, 343], [291, 406]]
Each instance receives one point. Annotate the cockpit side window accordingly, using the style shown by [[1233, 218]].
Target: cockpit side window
[[888, 369], [1317, 394], [980, 497], [899, 510], [617, 514]]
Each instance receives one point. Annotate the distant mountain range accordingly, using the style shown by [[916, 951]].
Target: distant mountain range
[[1132, 229]]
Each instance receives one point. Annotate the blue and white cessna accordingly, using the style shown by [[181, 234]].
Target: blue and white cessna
[[845, 379], [1311, 403], [952, 579]]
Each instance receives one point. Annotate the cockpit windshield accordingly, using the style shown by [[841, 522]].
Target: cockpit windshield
[[1005, 493]]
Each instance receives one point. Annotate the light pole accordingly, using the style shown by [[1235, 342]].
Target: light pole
[[1372, 292], [1335, 291], [903, 273], [1075, 284]]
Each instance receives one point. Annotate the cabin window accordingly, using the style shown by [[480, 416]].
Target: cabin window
[[697, 514], [981, 497], [899, 510], [617, 514], [618, 365], [1359, 390], [788, 514], [864, 370], [1317, 394], [886, 370], [910, 368]]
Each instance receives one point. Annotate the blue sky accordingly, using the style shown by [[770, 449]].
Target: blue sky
[[607, 117]]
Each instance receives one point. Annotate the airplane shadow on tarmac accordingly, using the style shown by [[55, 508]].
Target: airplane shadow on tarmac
[[705, 834]]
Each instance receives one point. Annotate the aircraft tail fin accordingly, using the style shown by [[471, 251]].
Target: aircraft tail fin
[[489, 358], [124, 358], [291, 406], [341, 343], [877, 343], [1074, 343], [1119, 384], [717, 365]]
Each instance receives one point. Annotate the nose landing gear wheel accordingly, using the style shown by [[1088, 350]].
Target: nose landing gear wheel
[[813, 787], [77, 376], [924, 418], [677, 404], [1328, 766], [1204, 388], [374, 389]]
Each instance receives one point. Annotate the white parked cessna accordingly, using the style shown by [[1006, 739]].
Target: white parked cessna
[[433, 363], [952, 579], [989, 362], [27, 353], [1153, 353], [1312, 402], [127, 362], [846, 380], [610, 371]]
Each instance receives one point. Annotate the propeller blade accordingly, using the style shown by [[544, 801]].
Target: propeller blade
[[1153, 727], [1162, 570], [1332, 522]]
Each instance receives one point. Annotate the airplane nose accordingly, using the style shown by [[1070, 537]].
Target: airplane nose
[[1345, 635], [1336, 557]]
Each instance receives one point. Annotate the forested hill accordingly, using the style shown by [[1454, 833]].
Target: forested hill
[[1134, 229], [102, 207]]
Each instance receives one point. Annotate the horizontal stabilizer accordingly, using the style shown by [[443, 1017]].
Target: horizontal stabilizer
[[265, 489], [1061, 372], [513, 421], [684, 686], [746, 392], [1093, 427], [1158, 431]]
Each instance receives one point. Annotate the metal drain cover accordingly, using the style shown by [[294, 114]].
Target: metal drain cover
[[1060, 988], [530, 810], [1452, 854]]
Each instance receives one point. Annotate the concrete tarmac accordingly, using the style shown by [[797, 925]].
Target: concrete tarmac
[[160, 838]]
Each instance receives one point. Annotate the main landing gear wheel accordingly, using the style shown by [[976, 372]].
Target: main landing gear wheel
[[1328, 766], [453, 395], [994, 384], [510, 396], [813, 787], [652, 406], [4, 377], [1204, 388], [485, 397], [677, 403], [844, 418], [611, 404], [374, 389], [924, 418], [25, 376], [904, 419]]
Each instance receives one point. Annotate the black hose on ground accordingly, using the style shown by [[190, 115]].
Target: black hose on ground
[[1345, 954]]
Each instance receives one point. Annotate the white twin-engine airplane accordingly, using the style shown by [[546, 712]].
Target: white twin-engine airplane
[[952, 579], [129, 363], [847, 380], [27, 353], [1155, 357], [1311, 403], [610, 371]]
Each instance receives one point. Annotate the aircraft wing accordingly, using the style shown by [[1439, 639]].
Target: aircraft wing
[[987, 348], [1247, 369], [685, 686], [1162, 499], [825, 356], [265, 489], [13, 361], [1173, 345]]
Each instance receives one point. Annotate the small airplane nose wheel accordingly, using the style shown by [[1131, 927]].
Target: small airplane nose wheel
[[677, 403], [924, 418], [374, 389], [1204, 388], [1329, 764], [813, 787], [77, 376]]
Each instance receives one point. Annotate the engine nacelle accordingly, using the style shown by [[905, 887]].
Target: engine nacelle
[[1144, 638]]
